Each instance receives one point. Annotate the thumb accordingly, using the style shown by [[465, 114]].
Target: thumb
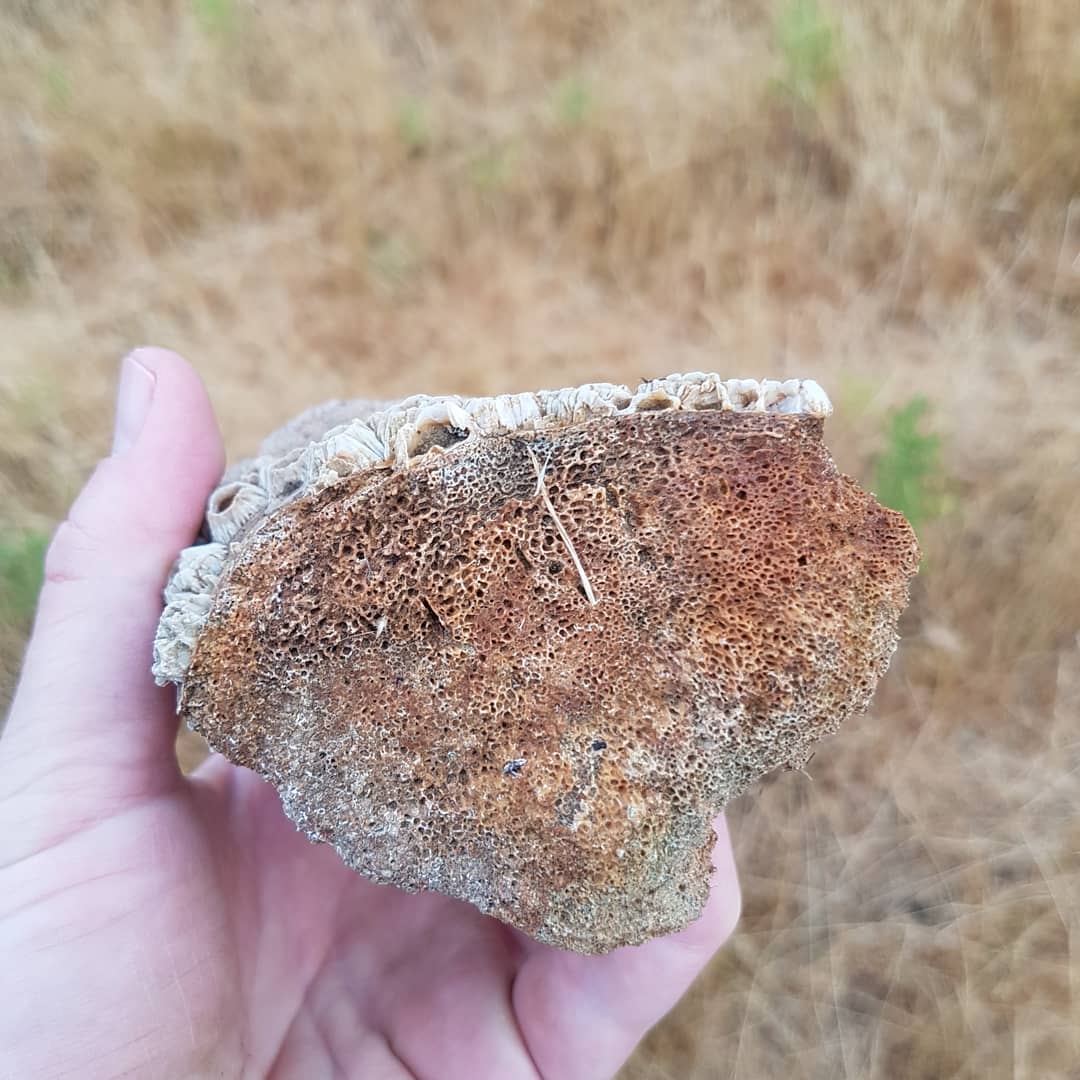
[[87, 699]]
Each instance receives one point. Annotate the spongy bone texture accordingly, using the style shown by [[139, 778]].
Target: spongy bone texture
[[525, 666]]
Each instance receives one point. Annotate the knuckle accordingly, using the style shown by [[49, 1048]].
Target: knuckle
[[70, 553]]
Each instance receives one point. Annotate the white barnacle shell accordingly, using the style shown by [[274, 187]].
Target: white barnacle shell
[[516, 412], [781, 397], [422, 427], [813, 400], [285, 476], [506, 412], [745, 395], [196, 571], [231, 507], [347, 449], [657, 394], [582, 402], [188, 597], [177, 632], [701, 390]]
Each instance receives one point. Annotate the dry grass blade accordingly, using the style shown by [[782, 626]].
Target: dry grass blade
[[541, 490]]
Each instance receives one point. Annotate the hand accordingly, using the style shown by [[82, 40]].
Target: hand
[[153, 925]]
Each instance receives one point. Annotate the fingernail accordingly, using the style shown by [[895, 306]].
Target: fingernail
[[133, 398]]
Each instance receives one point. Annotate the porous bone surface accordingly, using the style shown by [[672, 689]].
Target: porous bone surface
[[524, 661]]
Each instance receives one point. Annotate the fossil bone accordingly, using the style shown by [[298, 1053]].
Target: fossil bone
[[521, 650]]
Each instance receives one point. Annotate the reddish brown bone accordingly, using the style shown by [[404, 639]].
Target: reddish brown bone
[[411, 656]]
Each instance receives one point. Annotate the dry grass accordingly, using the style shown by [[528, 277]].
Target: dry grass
[[369, 199]]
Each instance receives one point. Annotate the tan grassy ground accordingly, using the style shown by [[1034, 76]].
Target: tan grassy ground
[[374, 199]]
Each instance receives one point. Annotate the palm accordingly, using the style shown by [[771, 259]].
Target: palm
[[163, 926], [257, 953], [340, 975]]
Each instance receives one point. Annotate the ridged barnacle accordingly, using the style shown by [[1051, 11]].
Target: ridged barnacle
[[520, 650]]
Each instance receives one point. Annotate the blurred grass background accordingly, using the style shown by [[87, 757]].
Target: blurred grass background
[[363, 199]]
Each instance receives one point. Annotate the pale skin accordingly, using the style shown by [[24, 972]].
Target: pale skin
[[156, 925]]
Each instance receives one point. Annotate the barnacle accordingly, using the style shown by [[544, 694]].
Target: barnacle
[[520, 650]]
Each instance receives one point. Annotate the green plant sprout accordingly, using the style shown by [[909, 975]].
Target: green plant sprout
[[390, 257], [809, 45], [491, 169], [908, 474], [414, 125], [216, 17], [22, 571], [57, 86], [573, 102]]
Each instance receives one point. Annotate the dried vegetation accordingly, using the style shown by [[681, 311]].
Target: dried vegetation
[[343, 199]]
